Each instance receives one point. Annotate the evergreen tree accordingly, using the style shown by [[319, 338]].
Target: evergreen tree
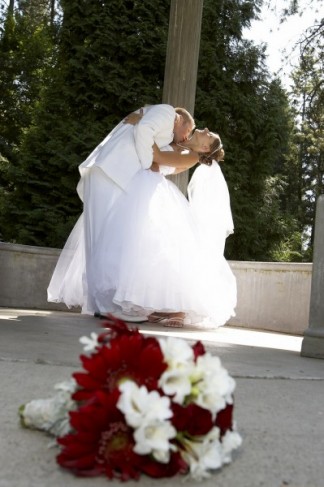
[[236, 98], [110, 60], [26, 44], [308, 97]]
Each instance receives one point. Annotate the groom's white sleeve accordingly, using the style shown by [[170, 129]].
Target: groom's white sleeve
[[158, 120]]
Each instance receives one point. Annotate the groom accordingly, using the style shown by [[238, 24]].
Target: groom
[[128, 148], [108, 170]]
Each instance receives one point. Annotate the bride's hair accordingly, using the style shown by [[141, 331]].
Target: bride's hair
[[216, 153]]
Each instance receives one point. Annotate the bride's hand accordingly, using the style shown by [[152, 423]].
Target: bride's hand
[[133, 118]]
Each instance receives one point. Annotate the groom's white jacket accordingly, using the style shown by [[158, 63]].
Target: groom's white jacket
[[128, 148]]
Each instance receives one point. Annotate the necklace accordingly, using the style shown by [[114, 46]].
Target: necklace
[[183, 146]]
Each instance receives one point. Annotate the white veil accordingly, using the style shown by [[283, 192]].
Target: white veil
[[209, 200]]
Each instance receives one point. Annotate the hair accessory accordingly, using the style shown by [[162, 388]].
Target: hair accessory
[[217, 149]]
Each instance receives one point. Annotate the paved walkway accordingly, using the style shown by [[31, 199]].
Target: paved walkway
[[279, 401]]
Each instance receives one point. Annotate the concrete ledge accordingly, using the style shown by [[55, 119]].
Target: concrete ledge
[[271, 296], [25, 272]]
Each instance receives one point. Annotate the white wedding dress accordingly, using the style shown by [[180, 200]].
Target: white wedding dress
[[156, 251]]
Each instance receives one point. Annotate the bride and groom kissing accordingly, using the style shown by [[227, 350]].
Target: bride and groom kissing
[[140, 250]]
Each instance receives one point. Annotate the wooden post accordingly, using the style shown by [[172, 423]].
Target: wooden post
[[180, 76]]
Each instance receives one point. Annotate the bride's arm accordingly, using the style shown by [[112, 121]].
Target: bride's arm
[[181, 162], [175, 159], [179, 170]]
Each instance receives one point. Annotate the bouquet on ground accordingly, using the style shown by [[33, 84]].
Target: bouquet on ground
[[142, 405]]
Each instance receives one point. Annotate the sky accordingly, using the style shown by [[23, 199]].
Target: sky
[[282, 37]]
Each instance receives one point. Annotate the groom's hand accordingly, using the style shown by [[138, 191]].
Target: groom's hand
[[133, 118], [155, 167]]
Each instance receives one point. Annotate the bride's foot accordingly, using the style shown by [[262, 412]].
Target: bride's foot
[[175, 322], [172, 320], [158, 316]]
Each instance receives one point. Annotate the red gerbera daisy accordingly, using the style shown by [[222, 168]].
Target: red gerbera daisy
[[103, 444], [127, 355]]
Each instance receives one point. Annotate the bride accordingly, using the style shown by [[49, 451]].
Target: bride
[[159, 256]]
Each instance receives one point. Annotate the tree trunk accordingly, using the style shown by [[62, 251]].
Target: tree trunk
[[52, 11], [11, 7]]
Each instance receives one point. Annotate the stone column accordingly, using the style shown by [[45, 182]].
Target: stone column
[[313, 342], [180, 76]]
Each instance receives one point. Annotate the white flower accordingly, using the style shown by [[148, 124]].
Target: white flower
[[176, 351], [176, 380], [140, 406], [52, 414], [208, 366], [89, 344], [214, 386], [153, 437], [203, 454], [177, 383], [163, 456], [230, 441], [211, 400], [147, 412]]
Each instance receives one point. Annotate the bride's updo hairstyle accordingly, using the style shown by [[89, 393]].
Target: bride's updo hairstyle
[[216, 153]]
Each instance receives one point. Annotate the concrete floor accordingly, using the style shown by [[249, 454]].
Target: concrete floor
[[279, 401]]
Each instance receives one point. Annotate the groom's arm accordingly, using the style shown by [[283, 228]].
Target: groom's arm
[[157, 119]]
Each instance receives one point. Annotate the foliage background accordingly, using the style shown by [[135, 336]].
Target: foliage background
[[70, 70]]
